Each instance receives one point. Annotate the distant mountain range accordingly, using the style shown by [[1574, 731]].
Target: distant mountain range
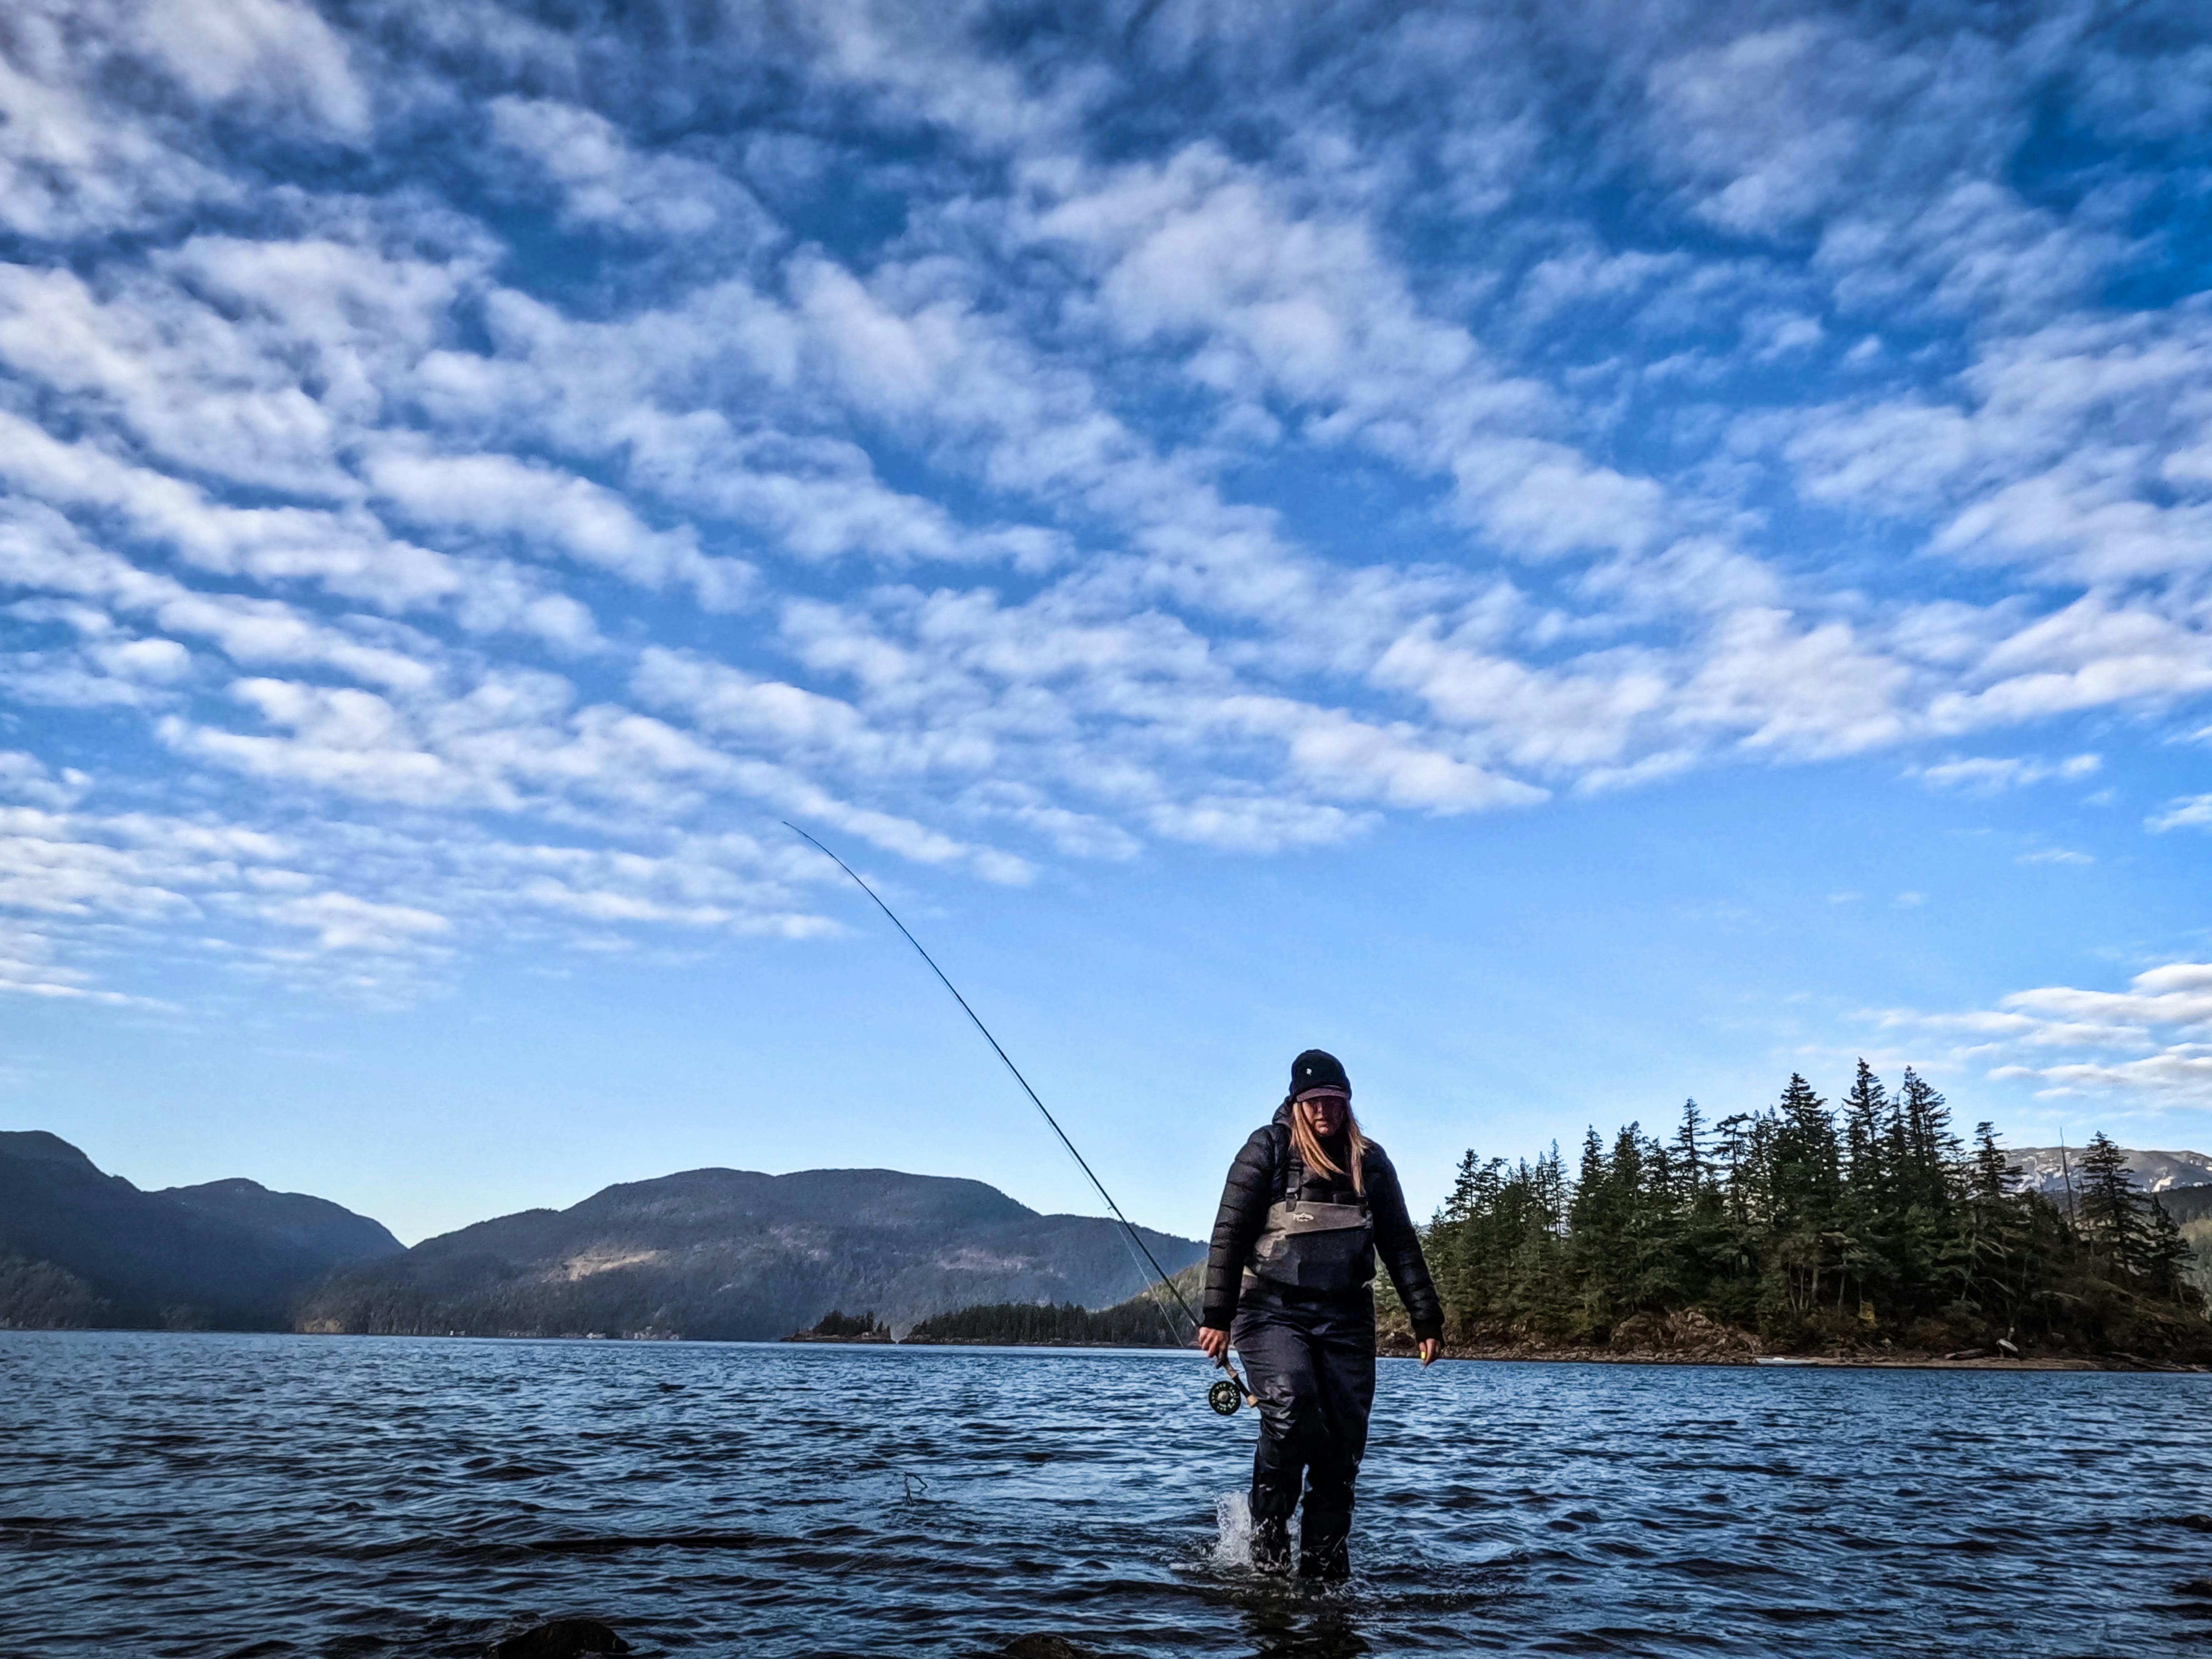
[[2043, 1170], [708, 1253], [733, 1255], [80, 1248]]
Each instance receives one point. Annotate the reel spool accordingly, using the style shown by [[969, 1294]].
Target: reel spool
[[1225, 1397]]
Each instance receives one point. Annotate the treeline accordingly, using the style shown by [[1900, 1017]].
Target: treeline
[[1133, 1324], [38, 1295], [838, 1326], [1867, 1223]]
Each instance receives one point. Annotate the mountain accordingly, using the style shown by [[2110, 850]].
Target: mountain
[[2189, 1205], [322, 1229], [732, 1254], [79, 1247], [2042, 1171]]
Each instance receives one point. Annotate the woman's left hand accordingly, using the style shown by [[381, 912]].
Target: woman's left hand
[[1429, 1351]]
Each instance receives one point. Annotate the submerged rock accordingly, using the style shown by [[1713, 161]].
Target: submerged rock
[[559, 1639]]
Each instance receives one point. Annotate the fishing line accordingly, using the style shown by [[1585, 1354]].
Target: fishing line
[[1130, 1235]]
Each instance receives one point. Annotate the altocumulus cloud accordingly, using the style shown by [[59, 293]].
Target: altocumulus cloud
[[2151, 1044], [465, 466]]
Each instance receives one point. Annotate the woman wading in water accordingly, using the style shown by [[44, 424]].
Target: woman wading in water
[[1309, 1206]]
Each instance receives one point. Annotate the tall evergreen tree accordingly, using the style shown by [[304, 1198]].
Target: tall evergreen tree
[[1867, 1219], [1994, 1175], [2111, 1206], [1930, 1150], [1773, 1219], [1986, 1251], [1866, 1149], [1690, 1157], [1807, 1182]]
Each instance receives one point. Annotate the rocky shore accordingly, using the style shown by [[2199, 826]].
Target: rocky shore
[[1694, 1338]]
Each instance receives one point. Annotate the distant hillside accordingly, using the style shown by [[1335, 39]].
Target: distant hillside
[[328, 1232], [80, 1248], [1136, 1323], [2189, 1205], [2042, 1170], [732, 1253]]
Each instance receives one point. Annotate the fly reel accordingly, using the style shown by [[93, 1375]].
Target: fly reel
[[1225, 1397]]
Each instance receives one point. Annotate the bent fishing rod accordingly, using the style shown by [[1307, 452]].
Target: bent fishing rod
[[1225, 1396]]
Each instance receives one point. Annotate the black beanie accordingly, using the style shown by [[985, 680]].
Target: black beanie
[[1317, 1068]]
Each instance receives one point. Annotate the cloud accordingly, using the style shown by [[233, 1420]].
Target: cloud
[[606, 182], [343, 922], [501, 495], [1986, 774], [2149, 1045], [2192, 811], [25, 777], [519, 448]]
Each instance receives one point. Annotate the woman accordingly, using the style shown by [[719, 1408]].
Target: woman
[[1310, 1204]]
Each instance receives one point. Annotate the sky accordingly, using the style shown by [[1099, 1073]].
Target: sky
[[1576, 556]]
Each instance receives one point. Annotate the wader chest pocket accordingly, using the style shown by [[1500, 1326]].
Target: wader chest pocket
[[1320, 1249]]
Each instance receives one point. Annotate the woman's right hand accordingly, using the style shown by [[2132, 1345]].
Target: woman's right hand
[[1215, 1341]]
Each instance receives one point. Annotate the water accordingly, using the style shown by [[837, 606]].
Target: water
[[269, 1496]]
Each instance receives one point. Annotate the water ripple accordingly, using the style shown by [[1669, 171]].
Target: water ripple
[[302, 1498]]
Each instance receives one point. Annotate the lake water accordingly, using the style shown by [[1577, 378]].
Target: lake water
[[268, 1496]]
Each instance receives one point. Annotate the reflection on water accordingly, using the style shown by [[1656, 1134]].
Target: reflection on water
[[274, 1496]]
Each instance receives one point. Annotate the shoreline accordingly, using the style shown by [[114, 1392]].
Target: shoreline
[[1388, 1348], [1899, 1361]]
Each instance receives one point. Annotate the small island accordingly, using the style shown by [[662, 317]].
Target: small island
[[838, 1326]]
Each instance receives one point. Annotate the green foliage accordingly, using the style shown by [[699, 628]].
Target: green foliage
[[1814, 1227], [38, 1295], [843, 1326], [1130, 1324], [1153, 1318]]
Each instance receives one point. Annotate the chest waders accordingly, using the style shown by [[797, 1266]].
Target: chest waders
[[1305, 1326], [1310, 1247]]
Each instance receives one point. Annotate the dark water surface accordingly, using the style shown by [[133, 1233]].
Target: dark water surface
[[269, 1496]]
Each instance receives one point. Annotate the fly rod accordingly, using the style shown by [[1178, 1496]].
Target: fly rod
[[1243, 1395]]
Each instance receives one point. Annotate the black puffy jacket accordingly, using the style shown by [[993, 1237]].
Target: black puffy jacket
[[1255, 1181]]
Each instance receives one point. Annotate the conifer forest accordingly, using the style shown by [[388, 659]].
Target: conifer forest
[[1868, 1224]]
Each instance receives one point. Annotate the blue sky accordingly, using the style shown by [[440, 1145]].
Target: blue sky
[[1577, 560]]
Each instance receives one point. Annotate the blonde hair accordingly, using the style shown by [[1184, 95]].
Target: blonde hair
[[1309, 1145]]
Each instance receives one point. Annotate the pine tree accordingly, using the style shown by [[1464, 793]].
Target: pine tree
[[1866, 1112], [1595, 1227], [1985, 1247], [1931, 1150], [2112, 1207], [2166, 1254], [1994, 1177], [1689, 1159], [1773, 1218], [1808, 1182], [1867, 1221]]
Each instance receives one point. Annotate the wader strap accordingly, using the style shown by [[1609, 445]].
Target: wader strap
[[1318, 1218], [1293, 1170]]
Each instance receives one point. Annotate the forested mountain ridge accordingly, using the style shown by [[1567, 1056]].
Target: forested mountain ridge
[[1804, 1228], [2048, 1170], [328, 1232], [80, 1248], [734, 1254]]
